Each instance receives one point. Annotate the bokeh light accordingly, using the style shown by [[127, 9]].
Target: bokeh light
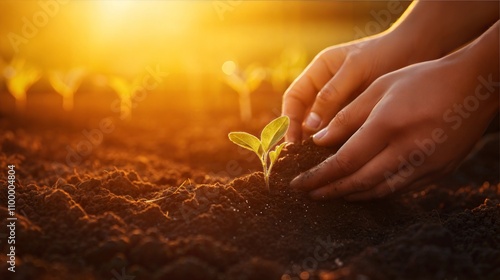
[[211, 49], [229, 67]]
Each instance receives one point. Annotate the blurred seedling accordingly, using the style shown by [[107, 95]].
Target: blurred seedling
[[66, 85], [244, 83], [269, 137], [126, 91], [20, 76]]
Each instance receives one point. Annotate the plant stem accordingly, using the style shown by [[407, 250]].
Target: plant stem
[[68, 102], [266, 172], [21, 102], [245, 106]]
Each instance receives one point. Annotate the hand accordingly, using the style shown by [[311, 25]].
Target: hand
[[408, 127], [338, 75], [427, 30]]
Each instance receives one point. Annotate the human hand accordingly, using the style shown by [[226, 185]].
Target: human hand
[[427, 30], [407, 128], [335, 77]]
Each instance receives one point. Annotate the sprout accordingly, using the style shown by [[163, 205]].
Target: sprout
[[125, 91], [270, 136], [66, 85], [244, 84], [20, 76]]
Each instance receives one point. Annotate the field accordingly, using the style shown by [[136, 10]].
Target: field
[[181, 202], [115, 161]]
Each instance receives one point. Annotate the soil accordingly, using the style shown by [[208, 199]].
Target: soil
[[151, 204]]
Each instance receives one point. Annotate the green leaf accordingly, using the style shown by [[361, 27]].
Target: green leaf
[[273, 155], [274, 132], [247, 141]]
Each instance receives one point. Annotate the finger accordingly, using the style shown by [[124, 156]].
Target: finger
[[365, 144], [299, 97], [333, 96], [349, 120], [294, 106], [401, 179], [370, 175]]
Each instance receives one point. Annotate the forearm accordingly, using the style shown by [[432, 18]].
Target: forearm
[[432, 29]]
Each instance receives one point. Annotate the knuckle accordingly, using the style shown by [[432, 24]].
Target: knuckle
[[341, 118], [290, 94], [388, 122], [383, 82], [293, 98], [327, 93], [359, 185], [325, 53], [344, 164], [352, 59]]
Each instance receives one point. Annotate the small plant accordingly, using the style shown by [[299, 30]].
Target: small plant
[[244, 83], [20, 76], [66, 85], [126, 91], [269, 137]]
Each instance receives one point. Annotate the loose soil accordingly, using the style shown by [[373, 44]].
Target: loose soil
[[151, 204]]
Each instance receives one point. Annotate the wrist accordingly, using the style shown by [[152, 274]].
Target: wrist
[[478, 65], [413, 49], [433, 29], [482, 55]]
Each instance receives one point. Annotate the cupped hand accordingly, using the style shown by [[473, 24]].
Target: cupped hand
[[407, 128]]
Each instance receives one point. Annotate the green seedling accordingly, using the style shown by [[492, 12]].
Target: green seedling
[[20, 76], [66, 85], [269, 137]]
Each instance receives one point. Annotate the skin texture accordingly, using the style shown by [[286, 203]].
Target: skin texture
[[395, 128]]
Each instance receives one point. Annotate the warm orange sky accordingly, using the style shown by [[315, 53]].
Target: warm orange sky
[[120, 36]]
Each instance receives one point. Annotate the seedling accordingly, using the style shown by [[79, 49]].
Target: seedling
[[269, 137], [66, 85], [20, 76], [126, 91], [244, 83]]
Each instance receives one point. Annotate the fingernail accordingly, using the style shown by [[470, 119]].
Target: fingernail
[[313, 121], [320, 134]]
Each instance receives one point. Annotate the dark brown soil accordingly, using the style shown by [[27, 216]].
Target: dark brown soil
[[139, 207]]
